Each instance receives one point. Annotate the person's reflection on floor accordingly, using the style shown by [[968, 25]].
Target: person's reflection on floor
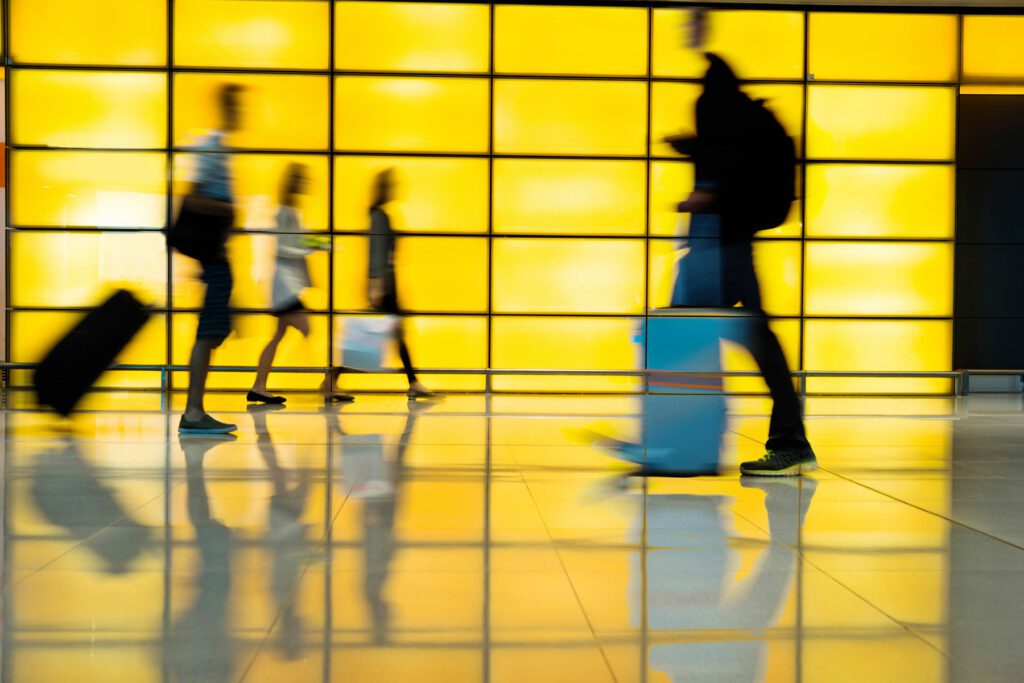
[[68, 492], [289, 546], [691, 581], [201, 647], [377, 485]]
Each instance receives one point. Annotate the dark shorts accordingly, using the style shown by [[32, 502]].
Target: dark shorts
[[215, 317], [293, 306]]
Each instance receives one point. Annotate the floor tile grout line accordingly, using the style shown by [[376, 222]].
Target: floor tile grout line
[[950, 520], [875, 607], [568, 577]]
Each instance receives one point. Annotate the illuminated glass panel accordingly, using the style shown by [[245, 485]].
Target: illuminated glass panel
[[877, 346], [34, 333], [756, 44], [878, 122], [252, 267], [277, 111], [442, 273], [411, 36], [89, 108], [432, 194], [257, 180], [251, 34], [570, 40], [568, 197], [79, 269], [673, 109], [248, 338], [860, 200], [992, 47], [737, 358], [351, 268], [568, 276], [853, 278], [446, 342], [875, 47], [129, 32], [569, 117], [777, 260], [672, 181], [434, 273], [411, 114], [89, 189], [564, 344]]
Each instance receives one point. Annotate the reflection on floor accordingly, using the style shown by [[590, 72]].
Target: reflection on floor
[[484, 540]]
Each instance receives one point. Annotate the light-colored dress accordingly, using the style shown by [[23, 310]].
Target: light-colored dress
[[291, 273]]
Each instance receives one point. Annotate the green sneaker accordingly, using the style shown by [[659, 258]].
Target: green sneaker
[[788, 463]]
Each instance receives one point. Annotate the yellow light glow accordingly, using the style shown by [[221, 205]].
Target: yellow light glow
[[582, 344], [671, 183], [877, 346], [568, 276], [850, 278], [78, 269], [434, 273], [569, 197], [251, 34], [859, 200], [872, 122], [992, 47], [411, 36], [569, 117], [252, 268], [89, 189], [570, 40], [874, 47], [89, 109], [251, 335], [277, 111], [34, 333], [777, 263], [448, 342], [257, 180], [351, 265], [129, 32], [736, 358], [411, 114], [672, 110], [432, 194], [756, 44], [440, 274]]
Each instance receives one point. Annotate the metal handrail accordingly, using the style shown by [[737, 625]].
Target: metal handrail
[[960, 377]]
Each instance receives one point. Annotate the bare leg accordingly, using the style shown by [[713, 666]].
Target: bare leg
[[267, 357], [198, 369]]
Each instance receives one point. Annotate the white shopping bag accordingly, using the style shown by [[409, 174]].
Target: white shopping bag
[[364, 341]]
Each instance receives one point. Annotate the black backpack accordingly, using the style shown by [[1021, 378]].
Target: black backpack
[[761, 184]]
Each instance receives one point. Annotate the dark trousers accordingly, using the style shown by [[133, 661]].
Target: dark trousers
[[390, 305], [739, 285]]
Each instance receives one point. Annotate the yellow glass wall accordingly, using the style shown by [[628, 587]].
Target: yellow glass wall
[[535, 197], [251, 34], [125, 32], [570, 40]]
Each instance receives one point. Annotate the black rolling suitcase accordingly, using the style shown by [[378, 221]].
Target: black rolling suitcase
[[76, 362]]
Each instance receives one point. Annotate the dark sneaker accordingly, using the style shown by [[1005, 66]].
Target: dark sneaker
[[205, 425], [787, 463]]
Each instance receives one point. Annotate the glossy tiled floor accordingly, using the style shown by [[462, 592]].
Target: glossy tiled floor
[[484, 540]]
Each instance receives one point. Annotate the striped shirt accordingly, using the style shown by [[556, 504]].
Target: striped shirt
[[213, 178]]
